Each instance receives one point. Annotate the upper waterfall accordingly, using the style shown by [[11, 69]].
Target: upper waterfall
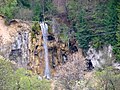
[[44, 28]]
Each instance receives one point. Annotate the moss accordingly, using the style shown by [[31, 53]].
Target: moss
[[63, 37], [33, 35], [50, 29], [7, 79], [36, 27], [35, 30]]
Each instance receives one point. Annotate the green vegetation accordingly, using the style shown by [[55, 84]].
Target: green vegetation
[[35, 30], [97, 25], [7, 80], [26, 9], [7, 8], [64, 33], [19, 79], [96, 28], [37, 12], [76, 14], [108, 79], [36, 27], [117, 45]]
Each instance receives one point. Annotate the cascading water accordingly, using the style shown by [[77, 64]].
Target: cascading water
[[20, 49], [44, 28]]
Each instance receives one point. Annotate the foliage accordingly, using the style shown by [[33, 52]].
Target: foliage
[[97, 27], [36, 26], [35, 29], [34, 9], [64, 32], [8, 7], [24, 3], [49, 7], [37, 10], [109, 79], [72, 10], [76, 14], [117, 45], [7, 80], [105, 20], [19, 79], [82, 31], [27, 81], [42, 8]]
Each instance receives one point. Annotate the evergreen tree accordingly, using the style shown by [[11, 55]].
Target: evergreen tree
[[100, 29], [7, 8], [117, 45]]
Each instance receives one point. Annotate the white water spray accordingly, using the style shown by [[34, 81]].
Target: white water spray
[[44, 28]]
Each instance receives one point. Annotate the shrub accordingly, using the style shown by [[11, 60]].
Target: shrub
[[19, 79], [8, 7]]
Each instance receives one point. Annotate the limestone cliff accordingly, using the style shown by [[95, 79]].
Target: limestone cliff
[[22, 44], [14, 41]]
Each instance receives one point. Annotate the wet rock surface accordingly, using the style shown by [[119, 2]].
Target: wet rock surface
[[15, 41], [28, 51]]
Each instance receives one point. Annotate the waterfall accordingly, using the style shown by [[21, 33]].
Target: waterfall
[[44, 28], [20, 49]]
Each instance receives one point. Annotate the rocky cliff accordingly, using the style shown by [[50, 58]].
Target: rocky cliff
[[14, 39], [20, 43], [23, 45]]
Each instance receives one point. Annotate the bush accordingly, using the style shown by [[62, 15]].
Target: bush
[[7, 80], [8, 7], [109, 79], [19, 79]]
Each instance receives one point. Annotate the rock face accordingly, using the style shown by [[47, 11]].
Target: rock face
[[15, 41], [101, 57], [20, 48], [19, 44], [23, 45]]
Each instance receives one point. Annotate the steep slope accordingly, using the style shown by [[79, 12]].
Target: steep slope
[[22, 44], [15, 41]]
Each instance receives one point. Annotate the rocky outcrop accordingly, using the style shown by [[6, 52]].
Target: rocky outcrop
[[15, 43], [101, 57], [24, 45], [73, 69]]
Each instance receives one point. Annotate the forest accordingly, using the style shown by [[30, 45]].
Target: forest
[[80, 49]]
